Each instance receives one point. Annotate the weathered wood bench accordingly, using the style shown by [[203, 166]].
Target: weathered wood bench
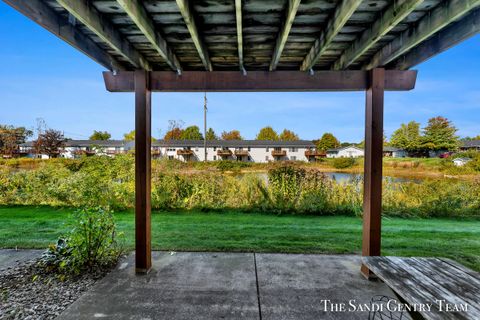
[[452, 291]]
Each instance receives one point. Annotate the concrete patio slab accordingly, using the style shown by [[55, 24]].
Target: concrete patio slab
[[224, 286], [297, 286], [11, 257], [180, 286]]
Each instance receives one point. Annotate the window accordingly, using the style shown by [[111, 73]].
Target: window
[[266, 158], [266, 149], [170, 149], [249, 158], [293, 158], [214, 158], [249, 149], [214, 149], [293, 149], [170, 157]]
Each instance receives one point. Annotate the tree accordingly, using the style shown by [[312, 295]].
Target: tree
[[174, 130], [11, 137], [211, 134], [231, 135], [407, 137], [267, 133], [288, 135], [101, 135], [327, 141], [439, 134], [129, 136], [173, 134], [50, 142], [191, 133]]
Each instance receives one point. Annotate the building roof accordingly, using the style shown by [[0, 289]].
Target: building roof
[[471, 144], [256, 34], [85, 143], [235, 143], [343, 148]]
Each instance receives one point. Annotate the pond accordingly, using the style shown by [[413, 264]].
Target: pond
[[345, 177]]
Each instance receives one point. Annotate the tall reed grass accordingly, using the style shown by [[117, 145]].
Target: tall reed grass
[[103, 181]]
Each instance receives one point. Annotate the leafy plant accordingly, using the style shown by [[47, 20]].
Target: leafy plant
[[343, 163], [91, 245]]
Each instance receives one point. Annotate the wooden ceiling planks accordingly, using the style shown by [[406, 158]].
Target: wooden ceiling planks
[[257, 35]]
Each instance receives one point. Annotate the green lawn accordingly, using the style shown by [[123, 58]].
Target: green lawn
[[36, 227]]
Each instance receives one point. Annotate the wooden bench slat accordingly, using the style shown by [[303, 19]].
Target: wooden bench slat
[[424, 280], [443, 285]]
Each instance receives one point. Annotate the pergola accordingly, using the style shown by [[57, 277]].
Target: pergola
[[258, 45]]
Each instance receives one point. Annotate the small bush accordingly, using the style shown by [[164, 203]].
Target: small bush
[[91, 245], [228, 165], [284, 183], [343, 163]]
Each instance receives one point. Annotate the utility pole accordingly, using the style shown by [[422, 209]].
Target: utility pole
[[205, 126]]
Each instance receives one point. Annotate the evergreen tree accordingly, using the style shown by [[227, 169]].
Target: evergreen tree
[[439, 134], [211, 134]]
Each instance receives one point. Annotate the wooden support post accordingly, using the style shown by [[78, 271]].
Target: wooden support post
[[143, 140], [372, 194]]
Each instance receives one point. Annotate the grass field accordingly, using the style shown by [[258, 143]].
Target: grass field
[[36, 227]]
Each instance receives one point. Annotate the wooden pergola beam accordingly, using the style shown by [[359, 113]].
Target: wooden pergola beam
[[433, 22], [292, 9], [239, 19], [187, 14], [87, 14], [443, 40], [388, 19], [139, 16], [372, 190], [342, 14], [256, 81], [42, 14], [143, 171]]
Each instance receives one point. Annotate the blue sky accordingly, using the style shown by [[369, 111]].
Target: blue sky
[[41, 76]]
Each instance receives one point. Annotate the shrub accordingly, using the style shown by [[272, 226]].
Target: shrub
[[91, 245], [343, 163], [285, 186], [228, 165]]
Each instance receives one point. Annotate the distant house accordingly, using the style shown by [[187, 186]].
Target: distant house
[[239, 150], [77, 148], [393, 152], [470, 145], [460, 162], [345, 152]]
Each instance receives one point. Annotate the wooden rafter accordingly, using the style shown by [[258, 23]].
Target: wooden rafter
[[139, 16], [283, 36], [239, 18], [342, 13], [84, 12], [257, 81], [39, 12], [391, 17], [447, 38], [187, 14], [433, 22]]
